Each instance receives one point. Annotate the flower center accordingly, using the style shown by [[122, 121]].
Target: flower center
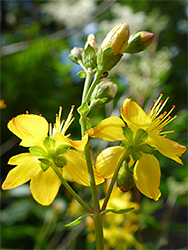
[[61, 126], [160, 120]]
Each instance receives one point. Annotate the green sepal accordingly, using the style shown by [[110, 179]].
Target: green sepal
[[124, 144], [78, 220], [37, 151], [45, 161], [117, 211], [44, 166], [89, 57], [49, 143], [83, 109], [146, 148], [62, 149], [128, 134], [106, 60], [136, 155], [60, 161], [81, 74], [141, 136]]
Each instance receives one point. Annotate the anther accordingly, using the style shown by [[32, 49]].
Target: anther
[[56, 115], [40, 115], [27, 112], [161, 94], [73, 106], [173, 106]]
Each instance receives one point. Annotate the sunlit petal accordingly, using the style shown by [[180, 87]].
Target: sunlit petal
[[169, 148], [63, 140], [134, 115], [76, 169], [32, 129], [108, 159], [147, 176], [27, 167], [45, 186], [109, 129]]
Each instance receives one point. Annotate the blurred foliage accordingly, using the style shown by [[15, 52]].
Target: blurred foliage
[[36, 75]]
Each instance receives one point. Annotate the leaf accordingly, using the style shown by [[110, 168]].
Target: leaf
[[77, 221], [81, 74], [117, 211]]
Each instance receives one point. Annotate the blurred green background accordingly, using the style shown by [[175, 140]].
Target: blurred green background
[[37, 75]]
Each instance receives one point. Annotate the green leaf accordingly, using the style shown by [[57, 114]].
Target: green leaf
[[37, 151], [81, 74], [117, 211], [83, 109], [77, 221]]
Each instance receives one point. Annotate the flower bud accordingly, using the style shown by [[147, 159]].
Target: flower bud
[[91, 41], [104, 92], [125, 180], [139, 41], [75, 54], [117, 39]]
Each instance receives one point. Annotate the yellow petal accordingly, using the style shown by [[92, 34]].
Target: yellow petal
[[27, 167], [108, 159], [32, 129], [134, 115], [76, 169], [109, 129], [45, 186], [147, 176], [79, 145], [168, 148]]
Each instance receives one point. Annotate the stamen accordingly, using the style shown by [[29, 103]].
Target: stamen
[[167, 132], [164, 103], [27, 112], [69, 120], [50, 130]]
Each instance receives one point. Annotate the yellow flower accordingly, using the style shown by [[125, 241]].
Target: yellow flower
[[147, 170], [44, 150]]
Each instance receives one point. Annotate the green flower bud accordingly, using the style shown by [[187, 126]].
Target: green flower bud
[[76, 54], [138, 42], [117, 39], [104, 92], [125, 180]]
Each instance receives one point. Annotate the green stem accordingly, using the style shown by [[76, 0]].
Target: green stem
[[86, 85], [71, 191], [92, 87], [97, 216], [108, 194]]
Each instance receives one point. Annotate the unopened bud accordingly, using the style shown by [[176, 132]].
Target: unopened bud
[[125, 180], [117, 39], [104, 92], [138, 42], [75, 54], [91, 41]]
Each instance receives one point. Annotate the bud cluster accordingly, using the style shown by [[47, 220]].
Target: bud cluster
[[118, 41]]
